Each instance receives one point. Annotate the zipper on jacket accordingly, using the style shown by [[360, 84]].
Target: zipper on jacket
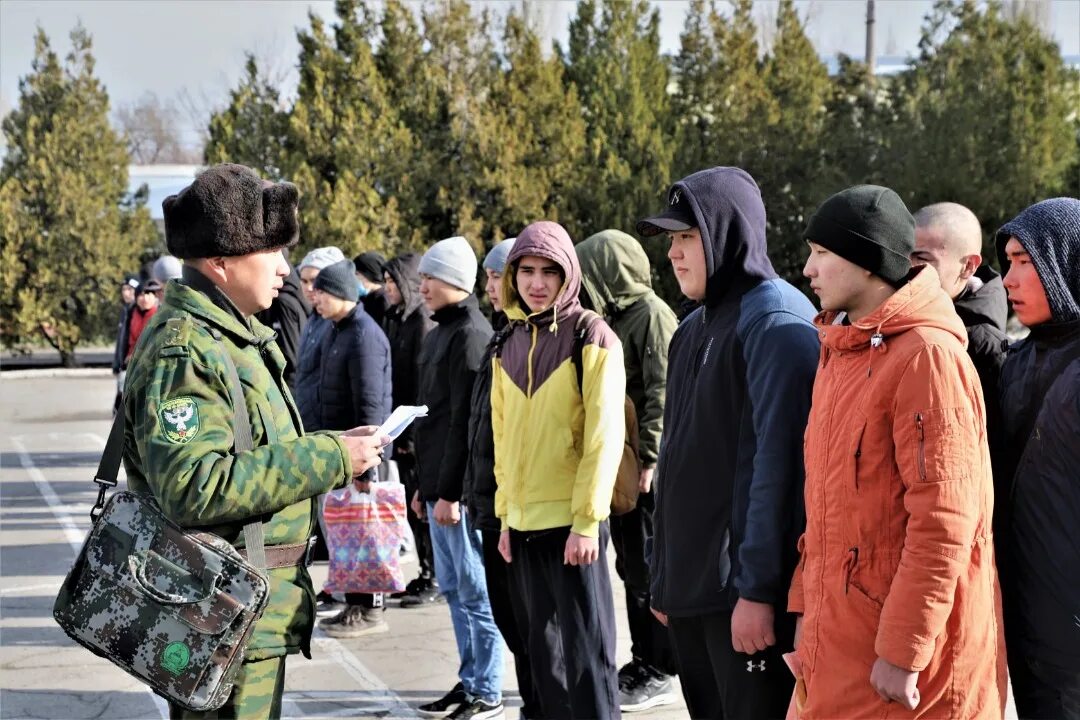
[[850, 564], [922, 446], [532, 347]]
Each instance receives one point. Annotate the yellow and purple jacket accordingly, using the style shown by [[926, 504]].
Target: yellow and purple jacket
[[557, 446]]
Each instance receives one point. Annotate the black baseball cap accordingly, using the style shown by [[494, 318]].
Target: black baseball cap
[[150, 286], [678, 216]]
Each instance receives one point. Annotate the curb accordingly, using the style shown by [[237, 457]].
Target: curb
[[55, 373]]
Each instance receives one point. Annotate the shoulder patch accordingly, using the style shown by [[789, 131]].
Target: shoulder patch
[[177, 332], [179, 420]]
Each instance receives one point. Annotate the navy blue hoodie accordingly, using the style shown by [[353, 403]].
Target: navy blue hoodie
[[729, 502]]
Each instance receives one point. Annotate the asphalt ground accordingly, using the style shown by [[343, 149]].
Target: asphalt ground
[[53, 427]]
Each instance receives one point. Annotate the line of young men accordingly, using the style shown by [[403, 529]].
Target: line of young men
[[889, 592]]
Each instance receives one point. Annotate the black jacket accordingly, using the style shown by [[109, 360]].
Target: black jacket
[[352, 381], [452, 354], [1038, 493], [984, 309], [406, 326], [478, 492], [729, 479], [375, 305], [287, 316], [122, 327]]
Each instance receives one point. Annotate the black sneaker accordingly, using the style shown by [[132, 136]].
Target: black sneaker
[[415, 585], [446, 704], [641, 688], [427, 596], [355, 621], [326, 605], [477, 709]]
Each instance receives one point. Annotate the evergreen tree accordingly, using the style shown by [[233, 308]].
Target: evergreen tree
[[697, 78], [984, 115], [252, 129], [614, 60], [68, 230], [347, 150]]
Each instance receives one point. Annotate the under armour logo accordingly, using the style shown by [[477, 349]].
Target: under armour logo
[[676, 196], [751, 666]]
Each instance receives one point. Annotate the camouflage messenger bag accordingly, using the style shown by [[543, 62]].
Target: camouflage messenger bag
[[173, 608]]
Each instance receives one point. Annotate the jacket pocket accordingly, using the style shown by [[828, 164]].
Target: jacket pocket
[[724, 561]]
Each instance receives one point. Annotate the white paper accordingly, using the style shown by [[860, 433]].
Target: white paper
[[400, 419]]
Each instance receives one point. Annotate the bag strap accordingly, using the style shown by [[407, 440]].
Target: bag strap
[[109, 467], [577, 350]]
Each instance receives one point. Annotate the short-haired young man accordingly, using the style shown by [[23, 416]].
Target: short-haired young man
[[897, 584], [729, 477], [1039, 251], [558, 445], [449, 360]]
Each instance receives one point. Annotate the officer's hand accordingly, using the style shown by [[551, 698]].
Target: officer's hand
[[504, 546], [364, 451], [581, 550], [895, 683], [365, 431], [447, 513], [752, 626]]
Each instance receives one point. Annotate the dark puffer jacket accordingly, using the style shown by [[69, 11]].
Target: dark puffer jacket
[[478, 492]]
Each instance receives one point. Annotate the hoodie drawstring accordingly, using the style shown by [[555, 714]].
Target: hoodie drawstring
[[877, 342]]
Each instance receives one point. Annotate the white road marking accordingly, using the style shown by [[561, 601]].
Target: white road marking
[[30, 588]]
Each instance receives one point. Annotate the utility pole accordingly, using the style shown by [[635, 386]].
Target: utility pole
[[871, 59]]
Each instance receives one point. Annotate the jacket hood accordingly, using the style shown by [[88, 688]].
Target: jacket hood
[[549, 240], [987, 304], [615, 271], [1050, 233], [731, 217], [919, 303], [405, 270]]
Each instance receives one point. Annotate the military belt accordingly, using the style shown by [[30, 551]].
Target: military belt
[[283, 556]]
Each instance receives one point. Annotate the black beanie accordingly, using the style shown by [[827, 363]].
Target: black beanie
[[338, 280], [870, 226], [228, 211], [370, 265]]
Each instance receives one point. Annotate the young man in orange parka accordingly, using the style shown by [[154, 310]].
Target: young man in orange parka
[[897, 585]]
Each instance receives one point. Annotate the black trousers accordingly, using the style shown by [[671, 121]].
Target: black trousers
[[650, 643], [570, 617], [718, 682], [1044, 691], [425, 551], [511, 619]]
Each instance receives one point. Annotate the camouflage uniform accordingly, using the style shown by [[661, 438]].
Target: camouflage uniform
[[179, 444]]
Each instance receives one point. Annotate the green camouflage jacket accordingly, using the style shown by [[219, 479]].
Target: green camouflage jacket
[[179, 443]]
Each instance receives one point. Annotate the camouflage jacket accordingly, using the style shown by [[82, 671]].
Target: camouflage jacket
[[179, 443]]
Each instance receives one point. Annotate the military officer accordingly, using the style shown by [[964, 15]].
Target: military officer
[[229, 227]]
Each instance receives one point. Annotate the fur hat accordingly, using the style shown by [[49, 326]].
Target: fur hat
[[229, 210]]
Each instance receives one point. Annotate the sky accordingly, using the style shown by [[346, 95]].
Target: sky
[[194, 49]]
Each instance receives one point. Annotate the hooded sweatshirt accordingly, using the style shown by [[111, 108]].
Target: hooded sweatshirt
[[1037, 479], [898, 555], [615, 273], [741, 367], [406, 325], [557, 446]]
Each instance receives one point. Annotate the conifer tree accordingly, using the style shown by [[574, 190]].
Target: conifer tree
[[252, 129], [68, 229]]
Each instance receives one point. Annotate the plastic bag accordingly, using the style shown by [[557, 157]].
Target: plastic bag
[[364, 533]]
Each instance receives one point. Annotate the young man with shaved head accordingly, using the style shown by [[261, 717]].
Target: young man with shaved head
[[948, 237]]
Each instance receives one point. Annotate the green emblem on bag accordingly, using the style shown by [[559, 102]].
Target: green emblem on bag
[[175, 657], [179, 420]]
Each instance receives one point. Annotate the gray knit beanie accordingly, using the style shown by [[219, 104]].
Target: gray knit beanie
[[338, 280], [452, 261], [166, 268], [1050, 233], [321, 257], [495, 260]]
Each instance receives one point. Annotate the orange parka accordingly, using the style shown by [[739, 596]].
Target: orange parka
[[897, 560]]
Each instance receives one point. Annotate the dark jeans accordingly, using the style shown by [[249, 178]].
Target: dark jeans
[[570, 625], [425, 552], [649, 640], [1042, 690], [511, 618], [718, 682]]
